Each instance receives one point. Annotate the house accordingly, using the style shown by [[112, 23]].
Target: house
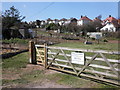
[[49, 21], [43, 22], [73, 21], [62, 21], [97, 20], [68, 21], [111, 24], [56, 21], [109, 19], [83, 20]]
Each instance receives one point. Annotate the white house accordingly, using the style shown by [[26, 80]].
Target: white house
[[109, 19], [49, 21], [56, 21], [110, 27], [67, 21], [83, 20], [62, 21], [43, 22], [110, 24]]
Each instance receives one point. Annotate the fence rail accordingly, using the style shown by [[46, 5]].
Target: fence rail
[[96, 66], [84, 50]]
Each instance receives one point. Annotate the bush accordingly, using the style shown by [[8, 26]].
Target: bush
[[93, 38], [112, 34], [105, 40]]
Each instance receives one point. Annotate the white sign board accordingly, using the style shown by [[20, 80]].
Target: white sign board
[[77, 58]]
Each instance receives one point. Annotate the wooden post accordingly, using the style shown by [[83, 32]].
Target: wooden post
[[45, 55], [32, 53]]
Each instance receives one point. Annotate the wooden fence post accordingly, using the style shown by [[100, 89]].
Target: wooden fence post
[[32, 53], [45, 55]]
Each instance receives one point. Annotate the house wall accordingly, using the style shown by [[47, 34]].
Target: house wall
[[60, 22], [67, 22], [109, 27], [50, 22], [82, 22], [42, 23], [56, 22]]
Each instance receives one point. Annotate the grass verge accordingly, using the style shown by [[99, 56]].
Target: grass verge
[[76, 82], [16, 62]]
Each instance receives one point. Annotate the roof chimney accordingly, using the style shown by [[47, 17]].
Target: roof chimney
[[81, 16], [109, 15]]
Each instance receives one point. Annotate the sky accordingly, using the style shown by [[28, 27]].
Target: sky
[[58, 10]]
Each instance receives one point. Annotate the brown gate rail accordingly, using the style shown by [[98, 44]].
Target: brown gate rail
[[97, 65]]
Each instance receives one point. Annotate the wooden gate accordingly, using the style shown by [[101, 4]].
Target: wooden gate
[[96, 65], [38, 54], [41, 54]]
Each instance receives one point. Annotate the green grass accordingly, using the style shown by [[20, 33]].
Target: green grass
[[39, 32], [76, 82], [102, 46], [16, 62], [14, 65], [25, 78], [33, 75], [16, 81], [16, 40]]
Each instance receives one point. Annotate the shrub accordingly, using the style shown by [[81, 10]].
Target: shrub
[[105, 40], [93, 38], [112, 34]]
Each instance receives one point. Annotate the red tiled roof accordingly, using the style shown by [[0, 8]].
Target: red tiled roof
[[85, 18], [110, 19], [49, 19], [63, 19]]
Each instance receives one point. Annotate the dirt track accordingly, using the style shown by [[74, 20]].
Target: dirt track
[[36, 84], [46, 83]]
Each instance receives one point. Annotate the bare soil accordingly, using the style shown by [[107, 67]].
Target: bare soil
[[35, 84], [45, 83]]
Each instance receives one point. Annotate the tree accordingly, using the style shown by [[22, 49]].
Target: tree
[[11, 18], [52, 26], [87, 28]]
